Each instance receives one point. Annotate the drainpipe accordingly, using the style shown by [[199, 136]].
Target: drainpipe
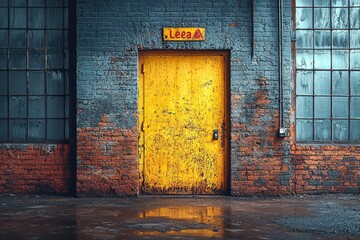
[[252, 31], [282, 130]]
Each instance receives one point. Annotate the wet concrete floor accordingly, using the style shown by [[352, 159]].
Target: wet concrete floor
[[300, 217]]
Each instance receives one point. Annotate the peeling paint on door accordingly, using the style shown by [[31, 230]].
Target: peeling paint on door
[[182, 106]]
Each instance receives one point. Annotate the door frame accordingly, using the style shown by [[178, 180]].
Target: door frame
[[227, 101]]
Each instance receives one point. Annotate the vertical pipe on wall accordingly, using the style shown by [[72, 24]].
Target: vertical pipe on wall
[[282, 132], [252, 31], [73, 94]]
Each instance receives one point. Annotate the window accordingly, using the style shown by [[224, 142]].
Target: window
[[34, 84], [328, 70]]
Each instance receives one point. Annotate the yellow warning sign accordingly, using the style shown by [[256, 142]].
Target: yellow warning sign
[[184, 34]]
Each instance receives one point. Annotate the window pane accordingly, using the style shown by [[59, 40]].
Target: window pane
[[18, 17], [66, 74], [322, 107], [54, 18], [322, 39], [36, 18], [323, 3], [17, 82], [55, 59], [55, 129], [322, 59], [67, 129], [3, 130], [304, 59], [66, 38], [355, 130], [354, 18], [304, 39], [340, 39], [4, 3], [354, 3], [18, 3], [355, 39], [304, 83], [3, 18], [18, 58], [304, 130], [17, 38], [55, 83], [36, 107], [304, 3], [66, 59], [55, 107], [303, 18], [340, 107], [322, 18], [339, 3], [3, 58], [355, 107], [355, 59], [3, 107], [304, 107], [36, 38], [355, 83], [36, 3], [55, 38], [340, 59], [340, 17], [322, 130], [67, 105], [340, 130], [3, 83], [17, 130], [3, 38], [66, 18], [17, 107], [55, 3], [340, 84], [322, 82], [36, 129], [36, 83], [36, 59]]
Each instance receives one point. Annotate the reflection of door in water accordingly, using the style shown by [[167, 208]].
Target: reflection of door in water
[[182, 106]]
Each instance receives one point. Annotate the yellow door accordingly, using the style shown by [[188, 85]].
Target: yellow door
[[182, 122]]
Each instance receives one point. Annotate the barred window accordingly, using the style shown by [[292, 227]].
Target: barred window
[[328, 70], [34, 63]]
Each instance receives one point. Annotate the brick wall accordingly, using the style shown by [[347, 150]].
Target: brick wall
[[34, 168], [109, 35], [107, 163]]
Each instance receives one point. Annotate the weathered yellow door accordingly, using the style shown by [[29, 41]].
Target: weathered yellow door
[[182, 122]]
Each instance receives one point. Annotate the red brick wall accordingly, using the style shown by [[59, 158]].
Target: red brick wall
[[264, 164], [324, 169], [107, 160], [34, 168], [260, 160]]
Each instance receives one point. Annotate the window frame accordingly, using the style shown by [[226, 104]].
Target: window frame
[[49, 97], [331, 96]]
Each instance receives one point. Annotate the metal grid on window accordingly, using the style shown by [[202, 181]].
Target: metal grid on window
[[34, 70], [328, 70]]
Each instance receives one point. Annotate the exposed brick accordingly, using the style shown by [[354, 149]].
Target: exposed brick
[[107, 162], [34, 168]]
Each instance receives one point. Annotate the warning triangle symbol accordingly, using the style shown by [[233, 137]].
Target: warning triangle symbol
[[198, 34]]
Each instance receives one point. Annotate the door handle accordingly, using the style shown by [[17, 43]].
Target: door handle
[[216, 134]]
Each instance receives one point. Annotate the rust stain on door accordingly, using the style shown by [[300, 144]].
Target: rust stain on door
[[183, 122]]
